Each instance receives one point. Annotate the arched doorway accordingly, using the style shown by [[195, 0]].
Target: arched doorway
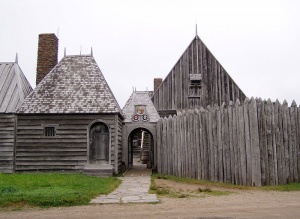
[[140, 148], [99, 143]]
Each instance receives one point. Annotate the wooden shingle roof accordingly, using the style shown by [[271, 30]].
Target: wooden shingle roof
[[14, 87], [140, 98], [74, 85]]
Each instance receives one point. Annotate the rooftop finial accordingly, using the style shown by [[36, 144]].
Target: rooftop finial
[[196, 30], [16, 60], [80, 49], [65, 52], [91, 51]]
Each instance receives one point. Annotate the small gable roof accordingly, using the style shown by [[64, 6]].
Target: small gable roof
[[140, 98], [75, 85], [14, 87]]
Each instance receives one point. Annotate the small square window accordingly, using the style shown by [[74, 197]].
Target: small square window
[[49, 131], [196, 80], [196, 83]]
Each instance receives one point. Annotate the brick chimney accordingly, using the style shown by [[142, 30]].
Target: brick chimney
[[157, 83], [47, 55]]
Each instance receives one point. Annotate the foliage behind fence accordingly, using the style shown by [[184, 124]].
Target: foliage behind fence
[[256, 143]]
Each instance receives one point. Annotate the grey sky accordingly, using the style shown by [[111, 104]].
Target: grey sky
[[257, 41]]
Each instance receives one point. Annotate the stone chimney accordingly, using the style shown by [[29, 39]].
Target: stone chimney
[[157, 83], [47, 55]]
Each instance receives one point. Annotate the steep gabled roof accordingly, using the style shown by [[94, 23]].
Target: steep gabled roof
[[140, 98], [74, 85], [214, 84], [14, 87]]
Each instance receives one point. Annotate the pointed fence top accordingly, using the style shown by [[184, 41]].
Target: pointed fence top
[[294, 104]]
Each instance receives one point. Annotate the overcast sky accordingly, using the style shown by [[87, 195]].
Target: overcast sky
[[256, 41]]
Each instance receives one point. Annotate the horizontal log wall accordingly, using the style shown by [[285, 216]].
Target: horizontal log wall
[[176, 92], [7, 139], [255, 143], [65, 151]]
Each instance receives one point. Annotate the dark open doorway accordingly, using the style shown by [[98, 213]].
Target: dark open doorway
[[140, 149], [99, 144]]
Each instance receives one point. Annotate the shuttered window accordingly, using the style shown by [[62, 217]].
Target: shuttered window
[[49, 131]]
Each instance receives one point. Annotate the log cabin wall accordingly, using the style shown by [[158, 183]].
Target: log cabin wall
[[67, 150], [196, 80], [7, 140]]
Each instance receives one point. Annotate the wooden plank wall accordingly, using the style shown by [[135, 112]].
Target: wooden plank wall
[[119, 142], [255, 143], [67, 150], [7, 139], [217, 85]]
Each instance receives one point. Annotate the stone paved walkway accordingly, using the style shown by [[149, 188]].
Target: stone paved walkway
[[133, 189]]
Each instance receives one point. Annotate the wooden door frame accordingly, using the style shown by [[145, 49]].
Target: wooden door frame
[[88, 140]]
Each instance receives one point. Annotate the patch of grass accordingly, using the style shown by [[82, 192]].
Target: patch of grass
[[287, 187], [52, 189], [283, 188], [209, 191], [204, 190], [168, 191], [199, 182]]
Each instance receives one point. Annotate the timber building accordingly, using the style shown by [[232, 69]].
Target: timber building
[[197, 80], [71, 121], [14, 87]]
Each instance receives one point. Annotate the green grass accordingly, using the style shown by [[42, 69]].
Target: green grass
[[283, 188], [167, 191], [200, 182], [52, 189], [287, 187]]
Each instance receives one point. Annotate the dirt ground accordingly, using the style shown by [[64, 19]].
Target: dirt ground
[[237, 204]]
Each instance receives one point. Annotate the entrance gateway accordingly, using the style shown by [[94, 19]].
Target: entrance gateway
[[139, 131], [140, 148]]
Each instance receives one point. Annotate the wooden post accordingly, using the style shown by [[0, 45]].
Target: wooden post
[[254, 140], [270, 155], [294, 143], [242, 145], [285, 141], [220, 144], [231, 141]]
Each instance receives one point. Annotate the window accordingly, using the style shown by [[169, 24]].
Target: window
[[195, 80], [49, 131]]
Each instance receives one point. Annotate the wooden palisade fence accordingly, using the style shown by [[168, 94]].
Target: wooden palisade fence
[[256, 143]]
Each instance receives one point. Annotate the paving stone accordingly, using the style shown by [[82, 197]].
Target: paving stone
[[133, 189]]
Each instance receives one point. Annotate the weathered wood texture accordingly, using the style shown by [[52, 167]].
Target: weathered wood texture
[[178, 91], [255, 143], [7, 139], [67, 150]]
